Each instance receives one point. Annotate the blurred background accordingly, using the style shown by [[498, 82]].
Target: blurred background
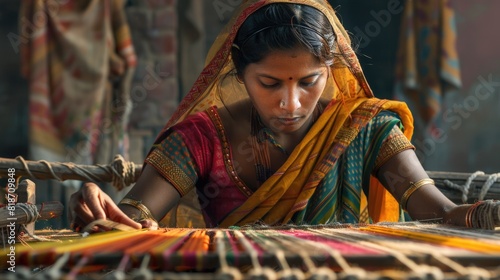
[[127, 64]]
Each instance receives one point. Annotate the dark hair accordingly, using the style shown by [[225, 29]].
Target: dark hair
[[283, 26]]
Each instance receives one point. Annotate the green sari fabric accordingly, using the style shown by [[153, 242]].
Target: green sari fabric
[[338, 197]]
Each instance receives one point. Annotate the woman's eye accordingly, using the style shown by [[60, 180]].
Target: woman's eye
[[309, 84], [269, 85]]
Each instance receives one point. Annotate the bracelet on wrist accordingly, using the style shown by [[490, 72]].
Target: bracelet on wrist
[[145, 212], [414, 186]]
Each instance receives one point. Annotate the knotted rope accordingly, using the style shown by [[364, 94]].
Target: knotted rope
[[122, 173], [486, 213], [30, 210], [464, 189]]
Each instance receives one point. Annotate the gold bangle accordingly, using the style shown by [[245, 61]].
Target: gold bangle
[[145, 213], [413, 187]]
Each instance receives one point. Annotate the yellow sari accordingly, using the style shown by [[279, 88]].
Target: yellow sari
[[289, 189]]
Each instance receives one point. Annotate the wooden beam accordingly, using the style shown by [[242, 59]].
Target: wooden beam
[[62, 171]]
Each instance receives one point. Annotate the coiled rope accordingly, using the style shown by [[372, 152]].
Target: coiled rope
[[464, 189]]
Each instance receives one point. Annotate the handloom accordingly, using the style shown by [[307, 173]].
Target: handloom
[[358, 251], [337, 251]]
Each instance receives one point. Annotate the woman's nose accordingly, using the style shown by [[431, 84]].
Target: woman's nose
[[291, 100]]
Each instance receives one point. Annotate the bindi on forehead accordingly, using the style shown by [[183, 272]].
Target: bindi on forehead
[[290, 78]]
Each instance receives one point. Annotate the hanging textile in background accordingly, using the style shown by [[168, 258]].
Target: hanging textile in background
[[427, 61], [79, 60]]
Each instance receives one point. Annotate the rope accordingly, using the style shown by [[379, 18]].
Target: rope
[[470, 272], [49, 166], [32, 215], [225, 271], [301, 247], [143, 272], [464, 188], [257, 271], [286, 272], [30, 210], [25, 165], [122, 172], [487, 185]]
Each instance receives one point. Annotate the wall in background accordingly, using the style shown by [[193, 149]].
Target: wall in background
[[155, 87]]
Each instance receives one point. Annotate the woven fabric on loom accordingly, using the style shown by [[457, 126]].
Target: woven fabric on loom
[[403, 249]]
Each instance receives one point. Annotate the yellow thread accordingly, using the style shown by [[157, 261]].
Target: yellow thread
[[69, 245], [457, 242], [175, 235]]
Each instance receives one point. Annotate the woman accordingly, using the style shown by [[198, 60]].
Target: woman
[[281, 127]]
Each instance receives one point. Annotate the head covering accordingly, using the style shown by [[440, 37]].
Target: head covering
[[205, 91], [346, 87]]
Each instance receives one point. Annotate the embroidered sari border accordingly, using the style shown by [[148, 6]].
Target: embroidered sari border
[[226, 151], [398, 143], [170, 171]]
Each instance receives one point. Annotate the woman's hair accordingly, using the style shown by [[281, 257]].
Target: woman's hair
[[283, 26]]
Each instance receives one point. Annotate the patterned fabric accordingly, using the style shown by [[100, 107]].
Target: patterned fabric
[[338, 197], [192, 156], [427, 61], [79, 61], [194, 149]]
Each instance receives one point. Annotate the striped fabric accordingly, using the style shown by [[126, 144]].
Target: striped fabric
[[338, 197]]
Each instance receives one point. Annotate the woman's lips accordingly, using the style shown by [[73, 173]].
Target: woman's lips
[[289, 121]]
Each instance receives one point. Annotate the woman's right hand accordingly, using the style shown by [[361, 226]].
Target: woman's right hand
[[90, 203]]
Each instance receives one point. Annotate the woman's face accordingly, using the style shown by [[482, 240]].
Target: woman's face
[[285, 87]]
